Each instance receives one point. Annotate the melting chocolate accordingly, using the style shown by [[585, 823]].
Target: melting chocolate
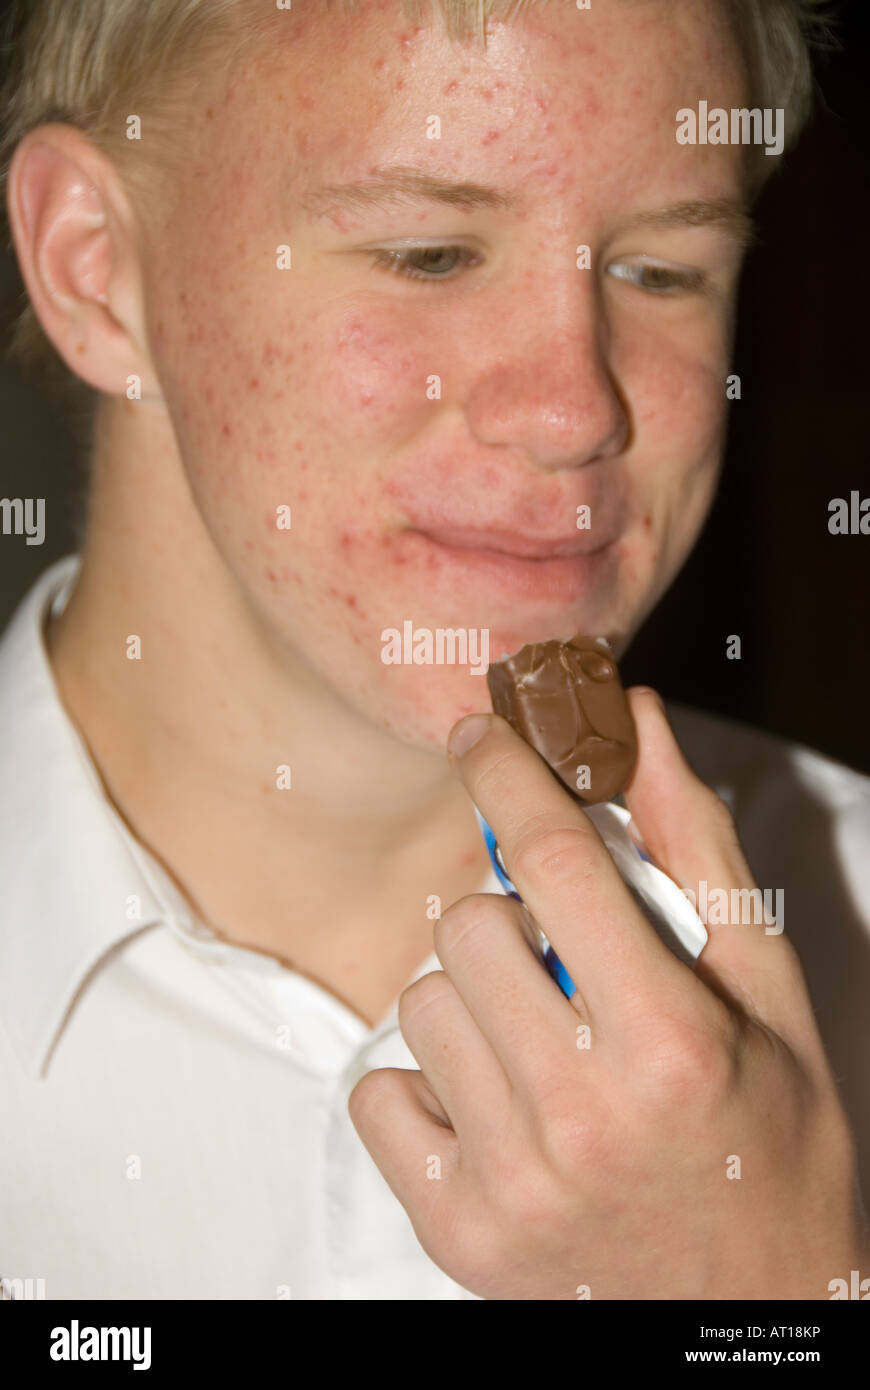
[[567, 701]]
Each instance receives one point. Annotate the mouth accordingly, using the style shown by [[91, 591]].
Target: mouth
[[518, 566], [514, 544]]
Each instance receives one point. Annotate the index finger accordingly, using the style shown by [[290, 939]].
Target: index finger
[[565, 874]]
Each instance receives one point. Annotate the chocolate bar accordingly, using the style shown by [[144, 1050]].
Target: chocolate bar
[[567, 701]]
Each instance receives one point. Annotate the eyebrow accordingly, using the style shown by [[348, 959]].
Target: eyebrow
[[404, 184], [400, 183], [709, 212]]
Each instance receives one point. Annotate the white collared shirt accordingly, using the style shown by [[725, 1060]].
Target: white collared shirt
[[174, 1108]]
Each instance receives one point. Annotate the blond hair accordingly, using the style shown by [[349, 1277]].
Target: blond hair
[[92, 62]]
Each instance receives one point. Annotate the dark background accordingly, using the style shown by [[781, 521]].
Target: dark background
[[766, 567]]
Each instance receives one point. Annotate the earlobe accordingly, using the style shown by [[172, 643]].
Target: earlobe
[[72, 255]]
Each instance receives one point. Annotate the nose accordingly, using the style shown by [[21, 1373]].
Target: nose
[[552, 394]]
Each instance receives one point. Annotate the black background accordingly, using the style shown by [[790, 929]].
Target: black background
[[766, 568]]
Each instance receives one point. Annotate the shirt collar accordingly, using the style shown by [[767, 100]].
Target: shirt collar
[[69, 865], [75, 884]]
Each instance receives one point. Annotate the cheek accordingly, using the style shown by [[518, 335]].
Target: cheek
[[679, 409], [284, 405], [368, 381]]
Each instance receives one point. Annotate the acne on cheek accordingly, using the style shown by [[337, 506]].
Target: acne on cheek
[[365, 377]]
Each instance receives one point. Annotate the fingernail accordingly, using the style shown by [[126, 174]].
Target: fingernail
[[467, 733]]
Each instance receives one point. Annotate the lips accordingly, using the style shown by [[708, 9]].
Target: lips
[[507, 565], [515, 544]]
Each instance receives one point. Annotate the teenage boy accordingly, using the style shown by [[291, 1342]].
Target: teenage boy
[[374, 315]]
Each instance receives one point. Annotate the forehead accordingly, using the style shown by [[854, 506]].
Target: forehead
[[556, 93]]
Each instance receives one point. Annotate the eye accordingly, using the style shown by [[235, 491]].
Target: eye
[[658, 278], [426, 262]]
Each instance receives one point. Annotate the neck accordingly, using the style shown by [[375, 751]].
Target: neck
[[332, 873]]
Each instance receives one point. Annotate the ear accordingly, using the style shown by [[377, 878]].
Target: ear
[[75, 237]]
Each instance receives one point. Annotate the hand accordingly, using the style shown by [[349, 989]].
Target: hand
[[696, 1148]]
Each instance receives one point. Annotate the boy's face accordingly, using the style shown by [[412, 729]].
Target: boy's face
[[561, 387]]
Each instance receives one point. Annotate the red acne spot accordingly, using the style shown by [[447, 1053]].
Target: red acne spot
[[271, 576], [451, 88], [468, 857], [399, 84], [270, 354], [226, 429], [346, 540], [490, 136], [647, 522], [254, 382], [378, 64], [350, 600], [486, 92], [305, 101]]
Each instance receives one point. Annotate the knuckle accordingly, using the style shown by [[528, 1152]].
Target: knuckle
[[497, 775], [368, 1094], [476, 913], [690, 1064], [571, 1134], [430, 991], [552, 854]]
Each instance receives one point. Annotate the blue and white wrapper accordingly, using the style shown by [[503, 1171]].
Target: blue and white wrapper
[[663, 904]]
